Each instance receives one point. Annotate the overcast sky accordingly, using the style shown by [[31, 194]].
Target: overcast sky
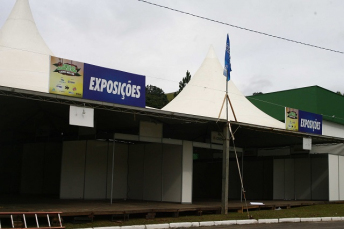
[[136, 37]]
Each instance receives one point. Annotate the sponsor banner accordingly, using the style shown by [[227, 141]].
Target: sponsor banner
[[92, 82], [113, 86], [291, 119], [310, 122], [302, 121], [66, 77]]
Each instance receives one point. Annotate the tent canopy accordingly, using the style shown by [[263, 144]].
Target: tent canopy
[[24, 56], [205, 92]]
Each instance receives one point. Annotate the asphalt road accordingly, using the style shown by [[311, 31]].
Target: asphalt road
[[312, 225]]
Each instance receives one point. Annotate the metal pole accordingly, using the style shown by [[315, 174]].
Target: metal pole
[[113, 165], [225, 161], [242, 169]]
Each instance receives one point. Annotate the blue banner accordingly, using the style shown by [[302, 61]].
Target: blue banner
[[310, 122], [113, 86]]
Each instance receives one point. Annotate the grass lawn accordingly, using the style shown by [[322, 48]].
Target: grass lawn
[[323, 210]]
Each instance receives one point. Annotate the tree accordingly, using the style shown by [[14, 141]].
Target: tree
[[183, 83], [339, 93], [155, 97], [257, 93]]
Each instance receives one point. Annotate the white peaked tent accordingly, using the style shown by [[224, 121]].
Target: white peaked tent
[[205, 92], [24, 56]]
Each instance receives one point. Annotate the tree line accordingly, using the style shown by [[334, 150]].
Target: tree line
[[156, 97]]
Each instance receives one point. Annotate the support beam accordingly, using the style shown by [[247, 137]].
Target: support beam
[[225, 170]]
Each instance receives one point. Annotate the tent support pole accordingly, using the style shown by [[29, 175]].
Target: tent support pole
[[225, 160], [225, 170]]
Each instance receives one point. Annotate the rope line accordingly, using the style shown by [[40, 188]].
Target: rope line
[[243, 28], [240, 175]]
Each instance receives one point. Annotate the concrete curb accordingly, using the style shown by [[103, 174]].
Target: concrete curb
[[223, 223], [247, 221], [158, 226], [318, 219], [337, 218], [180, 225], [289, 220], [267, 220], [207, 224]]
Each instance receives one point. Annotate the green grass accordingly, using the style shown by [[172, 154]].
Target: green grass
[[323, 210]]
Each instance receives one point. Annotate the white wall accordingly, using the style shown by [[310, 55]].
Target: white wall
[[120, 171], [289, 179], [300, 178], [341, 178], [73, 170], [333, 129], [155, 172], [171, 173], [319, 178], [333, 161], [187, 167], [136, 171], [150, 171], [336, 177], [87, 168], [278, 179], [152, 189], [96, 170]]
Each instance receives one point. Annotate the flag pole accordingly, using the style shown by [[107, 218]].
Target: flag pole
[[225, 161], [225, 153]]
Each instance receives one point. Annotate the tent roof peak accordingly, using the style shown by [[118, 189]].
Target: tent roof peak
[[20, 31]]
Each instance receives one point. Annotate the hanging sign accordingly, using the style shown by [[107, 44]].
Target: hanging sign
[[92, 82], [302, 121], [66, 77]]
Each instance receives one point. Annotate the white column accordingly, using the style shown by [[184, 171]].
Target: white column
[[187, 166]]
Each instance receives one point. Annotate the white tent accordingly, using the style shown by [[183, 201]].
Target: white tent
[[24, 56], [205, 92]]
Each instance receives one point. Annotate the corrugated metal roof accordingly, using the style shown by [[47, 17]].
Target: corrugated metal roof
[[313, 99]]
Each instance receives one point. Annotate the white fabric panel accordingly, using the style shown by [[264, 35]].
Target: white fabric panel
[[136, 171], [341, 178], [187, 172], [96, 170], [336, 149], [278, 179], [152, 189], [289, 182], [120, 171], [333, 129], [333, 177], [172, 173], [205, 92], [32, 169], [73, 170], [302, 179], [319, 178]]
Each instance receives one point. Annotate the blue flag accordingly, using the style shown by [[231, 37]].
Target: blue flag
[[228, 68]]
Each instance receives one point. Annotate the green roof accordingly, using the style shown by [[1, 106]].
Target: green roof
[[313, 99]]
